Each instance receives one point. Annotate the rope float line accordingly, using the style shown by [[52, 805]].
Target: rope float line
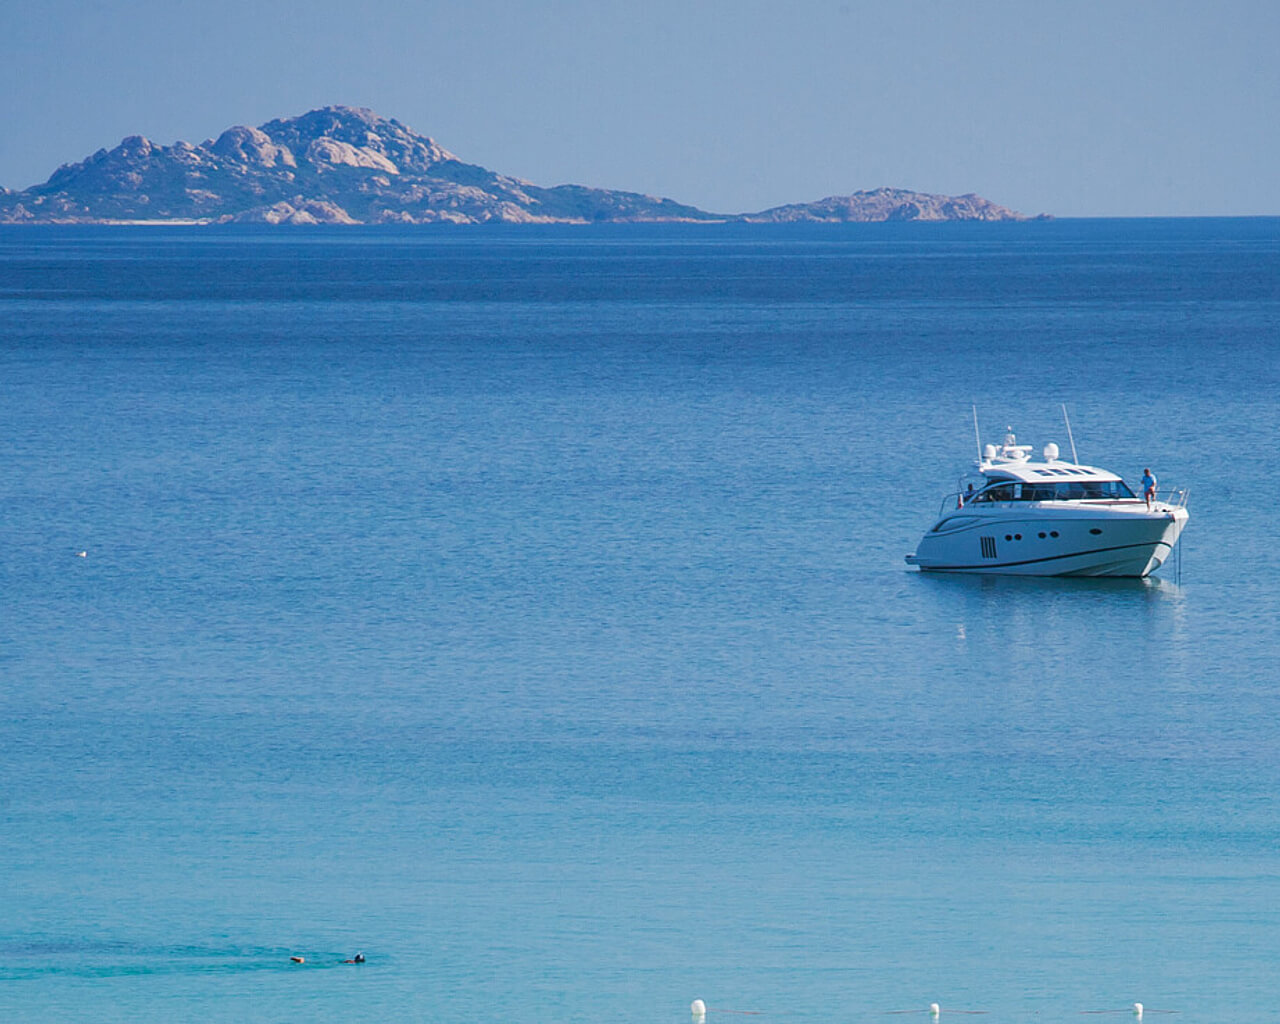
[[699, 1010]]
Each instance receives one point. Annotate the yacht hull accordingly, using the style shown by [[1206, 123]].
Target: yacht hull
[[1046, 541]]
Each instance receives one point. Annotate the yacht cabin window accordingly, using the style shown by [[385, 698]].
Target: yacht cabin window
[[1059, 490]]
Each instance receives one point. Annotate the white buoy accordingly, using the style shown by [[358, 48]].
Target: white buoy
[[934, 1010], [699, 1010], [1137, 1010], [82, 554]]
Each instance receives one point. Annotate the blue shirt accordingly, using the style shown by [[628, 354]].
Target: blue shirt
[[1148, 482]]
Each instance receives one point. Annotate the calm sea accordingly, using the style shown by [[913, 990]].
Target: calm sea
[[526, 609]]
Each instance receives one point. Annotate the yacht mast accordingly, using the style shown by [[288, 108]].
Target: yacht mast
[[1074, 457]]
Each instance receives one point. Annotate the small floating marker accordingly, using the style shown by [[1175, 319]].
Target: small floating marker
[[698, 1009], [1137, 1010], [934, 1010], [82, 554], [298, 959]]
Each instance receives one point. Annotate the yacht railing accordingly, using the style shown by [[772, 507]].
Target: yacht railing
[[1174, 497], [951, 502]]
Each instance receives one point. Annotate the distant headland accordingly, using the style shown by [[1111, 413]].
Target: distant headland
[[345, 165]]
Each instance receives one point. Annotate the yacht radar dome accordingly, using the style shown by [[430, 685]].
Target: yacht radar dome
[[1051, 452]]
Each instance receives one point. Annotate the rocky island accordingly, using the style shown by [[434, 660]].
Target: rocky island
[[344, 165]]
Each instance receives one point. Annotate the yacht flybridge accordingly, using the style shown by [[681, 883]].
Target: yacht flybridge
[[1051, 517]]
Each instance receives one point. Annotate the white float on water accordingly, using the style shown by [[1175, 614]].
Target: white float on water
[[699, 1009], [1137, 1010], [934, 1010]]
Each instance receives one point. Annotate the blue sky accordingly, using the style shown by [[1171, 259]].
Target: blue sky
[[1110, 108]]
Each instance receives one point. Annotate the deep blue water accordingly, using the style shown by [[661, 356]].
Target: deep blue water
[[526, 608]]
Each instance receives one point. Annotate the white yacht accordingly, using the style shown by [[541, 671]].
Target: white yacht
[[1023, 517]]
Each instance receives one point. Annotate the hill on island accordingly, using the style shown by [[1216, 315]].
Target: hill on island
[[343, 165]]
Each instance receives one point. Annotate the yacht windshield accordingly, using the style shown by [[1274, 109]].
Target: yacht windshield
[[1060, 490]]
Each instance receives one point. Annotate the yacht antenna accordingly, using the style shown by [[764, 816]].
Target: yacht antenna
[[976, 435], [1074, 457]]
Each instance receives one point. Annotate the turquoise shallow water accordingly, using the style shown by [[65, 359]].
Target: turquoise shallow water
[[527, 609]]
